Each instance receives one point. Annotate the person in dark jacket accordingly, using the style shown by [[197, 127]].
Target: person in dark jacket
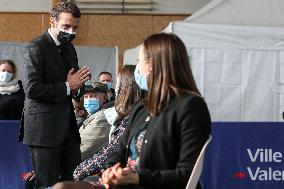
[[52, 78], [11, 92], [167, 130]]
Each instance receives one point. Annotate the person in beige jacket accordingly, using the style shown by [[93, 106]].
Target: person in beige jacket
[[94, 130]]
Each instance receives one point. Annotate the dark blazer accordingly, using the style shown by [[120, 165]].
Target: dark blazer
[[48, 111], [11, 106], [171, 144]]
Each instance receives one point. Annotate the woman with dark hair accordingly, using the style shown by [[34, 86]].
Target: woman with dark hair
[[11, 92], [127, 94], [168, 129]]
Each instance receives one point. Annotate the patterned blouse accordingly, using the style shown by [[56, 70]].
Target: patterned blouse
[[95, 163], [133, 160]]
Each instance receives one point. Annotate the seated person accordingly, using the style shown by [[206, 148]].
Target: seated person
[[94, 130], [167, 130], [127, 94], [11, 92], [106, 77]]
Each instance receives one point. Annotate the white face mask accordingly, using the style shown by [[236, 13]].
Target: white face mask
[[5, 76], [111, 115]]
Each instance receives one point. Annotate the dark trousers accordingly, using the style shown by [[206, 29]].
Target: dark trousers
[[54, 164]]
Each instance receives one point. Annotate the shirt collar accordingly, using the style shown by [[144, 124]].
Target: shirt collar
[[53, 37]]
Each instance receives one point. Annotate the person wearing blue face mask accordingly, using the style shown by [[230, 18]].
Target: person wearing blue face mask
[[140, 79], [168, 128], [92, 105], [94, 130], [11, 92], [106, 77]]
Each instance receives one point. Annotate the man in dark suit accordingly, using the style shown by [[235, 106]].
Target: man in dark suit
[[52, 78]]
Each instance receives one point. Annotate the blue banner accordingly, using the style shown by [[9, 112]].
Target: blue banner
[[240, 156], [14, 156], [245, 156]]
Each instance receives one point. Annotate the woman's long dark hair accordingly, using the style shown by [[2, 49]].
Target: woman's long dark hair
[[170, 70], [127, 91]]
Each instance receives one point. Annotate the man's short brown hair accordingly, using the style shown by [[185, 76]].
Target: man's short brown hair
[[66, 7]]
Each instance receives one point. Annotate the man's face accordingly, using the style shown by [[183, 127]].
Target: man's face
[[66, 22], [99, 95], [105, 78]]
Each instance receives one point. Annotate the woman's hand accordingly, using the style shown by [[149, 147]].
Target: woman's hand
[[116, 175]]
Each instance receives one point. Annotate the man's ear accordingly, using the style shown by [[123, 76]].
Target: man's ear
[[52, 22]]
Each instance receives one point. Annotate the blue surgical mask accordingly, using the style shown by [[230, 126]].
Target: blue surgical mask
[[109, 85], [141, 80], [6, 76], [91, 105]]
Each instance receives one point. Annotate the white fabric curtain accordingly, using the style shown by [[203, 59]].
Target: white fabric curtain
[[97, 58], [240, 84]]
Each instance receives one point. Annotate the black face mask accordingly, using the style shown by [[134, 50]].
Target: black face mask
[[64, 37]]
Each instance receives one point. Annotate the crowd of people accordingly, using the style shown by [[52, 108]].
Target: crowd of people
[[145, 133]]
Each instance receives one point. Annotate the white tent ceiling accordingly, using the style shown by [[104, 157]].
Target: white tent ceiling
[[263, 13], [235, 24]]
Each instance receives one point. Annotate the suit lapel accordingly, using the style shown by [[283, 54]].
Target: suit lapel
[[70, 57], [55, 52]]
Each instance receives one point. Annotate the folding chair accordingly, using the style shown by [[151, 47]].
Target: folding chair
[[197, 169]]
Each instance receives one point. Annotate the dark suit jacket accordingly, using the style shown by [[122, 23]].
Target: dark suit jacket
[[48, 111], [171, 144]]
